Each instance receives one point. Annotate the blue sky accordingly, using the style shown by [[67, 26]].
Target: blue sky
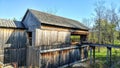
[[74, 9]]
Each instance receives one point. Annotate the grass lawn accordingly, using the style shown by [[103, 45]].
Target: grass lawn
[[101, 60]]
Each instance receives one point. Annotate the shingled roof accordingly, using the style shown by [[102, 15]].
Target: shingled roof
[[10, 23], [46, 18]]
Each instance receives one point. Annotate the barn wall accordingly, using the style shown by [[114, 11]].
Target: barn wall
[[48, 27], [51, 38], [12, 45], [49, 57], [31, 22]]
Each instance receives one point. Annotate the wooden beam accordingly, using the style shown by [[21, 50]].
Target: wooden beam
[[104, 45], [59, 49], [80, 33]]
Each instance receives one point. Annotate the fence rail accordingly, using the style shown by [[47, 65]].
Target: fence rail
[[56, 57], [47, 47]]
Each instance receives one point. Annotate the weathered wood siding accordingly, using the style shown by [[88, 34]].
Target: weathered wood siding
[[32, 57], [59, 58], [49, 37], [31, 22], [53, 59], [12, 45], [48, 27], [37, 56], [73, 31]]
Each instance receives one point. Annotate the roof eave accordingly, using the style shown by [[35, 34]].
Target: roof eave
[[64, 26], [12, 27]]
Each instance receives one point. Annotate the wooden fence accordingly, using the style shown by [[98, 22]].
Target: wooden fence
[[16, 56], [32, 57], [54, 58]]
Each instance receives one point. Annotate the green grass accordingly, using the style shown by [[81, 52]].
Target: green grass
[[117, 42], [75, 38], [101, 57]]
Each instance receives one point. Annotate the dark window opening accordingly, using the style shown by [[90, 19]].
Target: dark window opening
[[83, 39], [30, 38], [30, 34]]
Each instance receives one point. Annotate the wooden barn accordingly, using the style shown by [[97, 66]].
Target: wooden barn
[[41, 40], [12, 42], [51, 36]]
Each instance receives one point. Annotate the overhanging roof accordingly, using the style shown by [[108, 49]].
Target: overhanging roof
[[50, 19], [10, 24]]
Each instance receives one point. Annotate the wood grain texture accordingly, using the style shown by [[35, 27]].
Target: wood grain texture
[[12, 45], [49, 37], [59, 58]]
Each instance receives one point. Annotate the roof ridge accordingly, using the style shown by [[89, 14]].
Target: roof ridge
[[53, 14], [57, 20]]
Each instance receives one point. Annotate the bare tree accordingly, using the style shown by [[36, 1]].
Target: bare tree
[[88, 22], [99, 14]]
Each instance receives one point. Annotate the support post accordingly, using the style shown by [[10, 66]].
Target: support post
[[109, 54], [40, 57], [80, 49], [90, 55], [93, 54], [110, 57]]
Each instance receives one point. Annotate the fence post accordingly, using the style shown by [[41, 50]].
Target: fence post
[[90, 55], [27, 57], [107, 55], [93, 54], [110, 56], [80, 53], [40, 57]]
